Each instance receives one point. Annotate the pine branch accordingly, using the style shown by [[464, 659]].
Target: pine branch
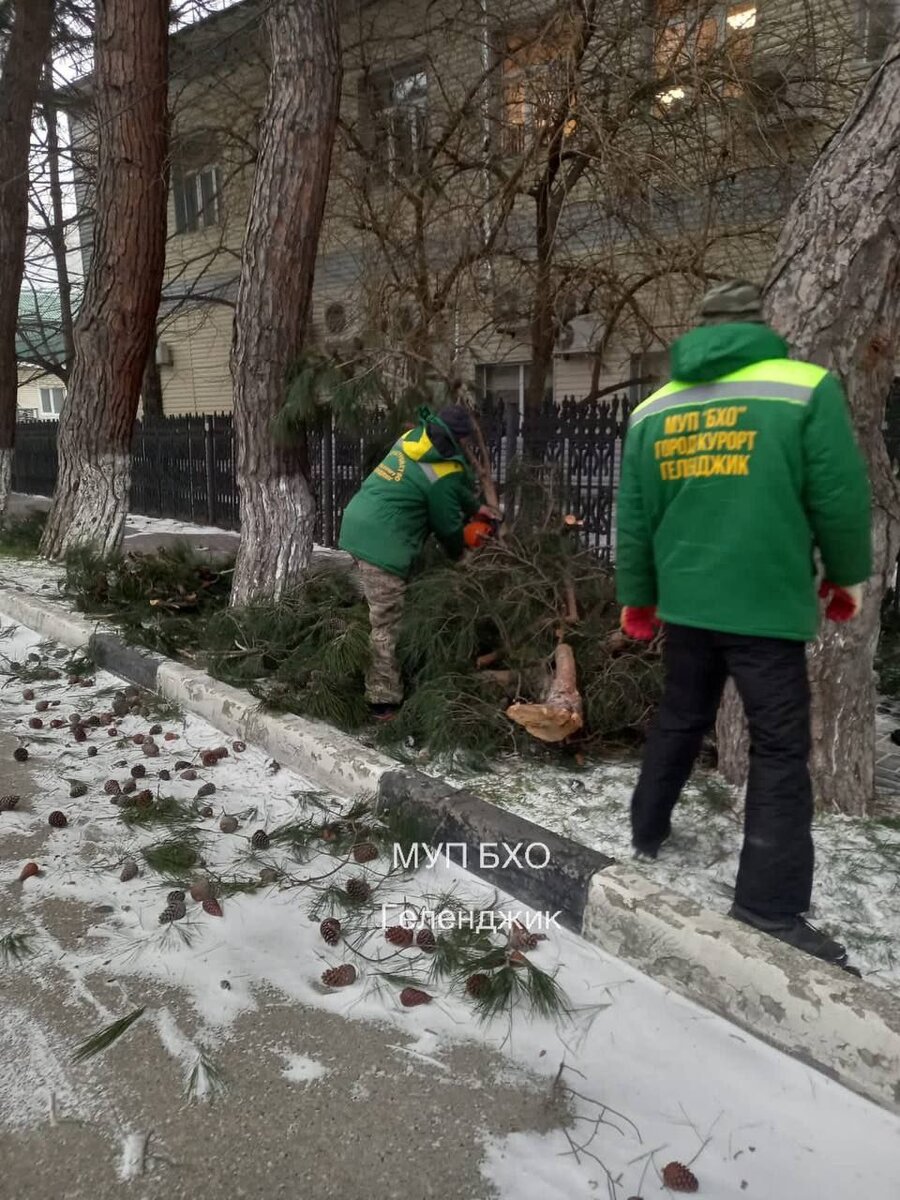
[[106, 1037]]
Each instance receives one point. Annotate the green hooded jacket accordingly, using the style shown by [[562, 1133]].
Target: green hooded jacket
[[419, 488], [732, 475]]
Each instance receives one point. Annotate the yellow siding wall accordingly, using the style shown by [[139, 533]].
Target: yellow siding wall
[[28, 395], [199, 379]]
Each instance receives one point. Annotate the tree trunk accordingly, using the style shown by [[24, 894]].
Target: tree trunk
[[57, 231], [26, 52], [296, 139], [834, 293], [116, 322], [151, 386]]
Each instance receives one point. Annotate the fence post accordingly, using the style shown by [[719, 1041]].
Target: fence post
[[511, 417], [210, 452], [327, 498]]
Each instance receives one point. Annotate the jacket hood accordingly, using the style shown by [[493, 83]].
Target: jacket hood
[[711, 351], [432, 441]]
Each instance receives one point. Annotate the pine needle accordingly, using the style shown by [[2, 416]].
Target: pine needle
[[204, 1080], [14, 947], [173, 855], [106, 1037]]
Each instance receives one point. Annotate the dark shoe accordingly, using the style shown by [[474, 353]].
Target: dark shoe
[[797, 932], [383, 712], [649, 850]]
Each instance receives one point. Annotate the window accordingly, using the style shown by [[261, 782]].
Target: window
[[396, 102], [695, 34], [535, 87], [52, 401], [196, 196], [879, 24], [649, 371]]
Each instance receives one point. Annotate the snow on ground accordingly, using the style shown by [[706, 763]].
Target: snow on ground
[[668, 1079], [857, 885]]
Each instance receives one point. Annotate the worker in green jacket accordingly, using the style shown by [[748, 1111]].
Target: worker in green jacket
[[425, 485], [736, 477]]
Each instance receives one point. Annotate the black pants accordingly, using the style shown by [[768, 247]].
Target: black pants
[[776, 867]]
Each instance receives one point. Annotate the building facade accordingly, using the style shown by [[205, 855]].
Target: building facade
[[521, 195]]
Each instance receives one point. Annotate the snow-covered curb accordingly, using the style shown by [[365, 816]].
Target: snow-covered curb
[[846, 1028]]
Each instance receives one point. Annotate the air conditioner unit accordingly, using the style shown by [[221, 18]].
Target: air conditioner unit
[[163, 354], [510, 311], [580, 335], [782, 92]]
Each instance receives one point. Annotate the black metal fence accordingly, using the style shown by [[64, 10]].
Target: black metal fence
[[183, 467]]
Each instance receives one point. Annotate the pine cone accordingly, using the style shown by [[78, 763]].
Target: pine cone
[[201, 889], [679, 1178], [42, 706], [206, 811], [358, 890], [212, 907], [175, 897], [412, 997], [341, 976], [20, 754], [154, 730], [426, 940], [522, 938], [79, 733], [365, 852], [138, 739], [170, 737], [150, 749], [189, 775], [182, 765], [219, 751], [239, 747], [77, 789], [268, 875], [111, 787], [58, 819], [206, 789], [260, 840], [172, 912], [331, 832], [165, 775], [130, 785], [129, 870], [228, 824], [209, 758], [138, 771], [35, 723], [478, 985], [8, 803], [144, 799], [92, 751], [28, 871], [28, 694], [397, 935], [57, 723], [330, 930]]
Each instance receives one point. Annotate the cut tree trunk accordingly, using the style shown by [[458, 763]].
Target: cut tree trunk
[[27, 48], [116, 322], [296, 140], [561, 714], [834, 293]]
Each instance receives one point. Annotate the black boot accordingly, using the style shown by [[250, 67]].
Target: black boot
[[797, 932], [649, 850]]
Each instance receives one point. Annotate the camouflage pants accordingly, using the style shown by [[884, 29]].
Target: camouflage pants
[[385, 594]]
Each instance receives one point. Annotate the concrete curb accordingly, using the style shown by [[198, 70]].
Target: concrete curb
[[846, 1028]]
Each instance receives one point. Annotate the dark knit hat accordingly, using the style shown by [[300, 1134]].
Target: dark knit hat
[[458, 420], [734, 300]]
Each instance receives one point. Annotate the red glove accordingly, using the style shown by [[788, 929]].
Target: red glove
[[477, 531], [640, 623], [841, 603]]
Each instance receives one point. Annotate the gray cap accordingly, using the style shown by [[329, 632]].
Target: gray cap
[[734, 300]]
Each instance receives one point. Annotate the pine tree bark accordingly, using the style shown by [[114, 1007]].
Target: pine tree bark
[[296, 140], [116, 321], [834, 293], [27, 49]]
